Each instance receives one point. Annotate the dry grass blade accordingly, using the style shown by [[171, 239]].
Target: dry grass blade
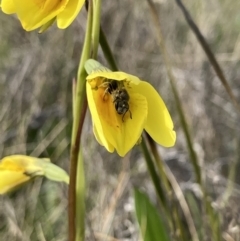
[[227, 237], [183, 203], [49, 138], [166, 173], [102, 236], [110, 211], [40, 232]]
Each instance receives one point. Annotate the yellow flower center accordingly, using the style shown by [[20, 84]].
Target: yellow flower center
[[114, 103]]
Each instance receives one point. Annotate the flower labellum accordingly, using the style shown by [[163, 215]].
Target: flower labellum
[[18, 169], [34, 14], [122, 106]]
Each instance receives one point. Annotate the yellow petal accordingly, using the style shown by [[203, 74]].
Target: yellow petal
[[66, 17], [46, 25], [121, 133], [8, 6], [119, 76], [13, 172], [159, 124], [101, 139], [10, 180], [35, 13], [20, 163], [18, 169]]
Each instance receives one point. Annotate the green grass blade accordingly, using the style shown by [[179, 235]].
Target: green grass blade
[[151, 225]]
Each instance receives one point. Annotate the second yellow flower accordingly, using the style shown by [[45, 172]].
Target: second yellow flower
[[34, 14]]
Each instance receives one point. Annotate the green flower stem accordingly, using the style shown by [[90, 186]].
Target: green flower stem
[[80, 106], [154, 175], [96, 26], [74, 84], [80, 193], [107, 51], [159, 163]]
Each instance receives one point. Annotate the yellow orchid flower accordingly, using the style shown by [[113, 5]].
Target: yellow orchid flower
[[122, 106], [34, 14], [18, 169]]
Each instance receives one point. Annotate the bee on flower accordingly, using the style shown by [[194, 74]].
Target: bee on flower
[[120, 96], [122, 106]]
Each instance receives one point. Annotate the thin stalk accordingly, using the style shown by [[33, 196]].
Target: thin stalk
[[192, 153], [96, 26], [74, 83], [107, 51], [154, 175], [159, 163], [193, 156], [180, 232], [183, 204], [157, 183], [213, 217], [208, 52], [232, 175], [80, 106], [80, 192]]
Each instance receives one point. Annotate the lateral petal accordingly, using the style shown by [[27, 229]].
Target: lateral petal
[[10, 180], [159, 123], [102, 140], [8, 6], [66, 17], [34, 14]]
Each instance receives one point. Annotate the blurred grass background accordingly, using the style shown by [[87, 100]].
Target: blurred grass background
[[36, 72]]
